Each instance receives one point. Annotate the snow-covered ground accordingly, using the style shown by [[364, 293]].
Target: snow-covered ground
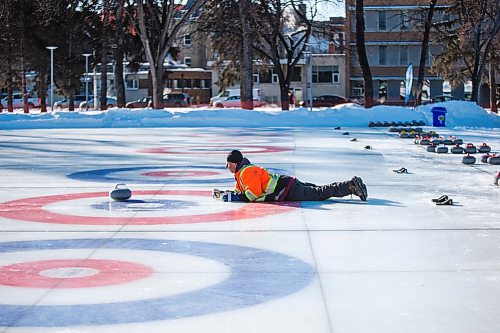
[[465, 114], [172, 259]]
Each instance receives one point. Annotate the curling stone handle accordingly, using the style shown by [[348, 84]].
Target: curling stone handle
[[121, 184]]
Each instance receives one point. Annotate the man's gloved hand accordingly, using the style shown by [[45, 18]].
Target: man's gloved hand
[[230, 196]]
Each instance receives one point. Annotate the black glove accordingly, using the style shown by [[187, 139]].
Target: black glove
[[230, 196]]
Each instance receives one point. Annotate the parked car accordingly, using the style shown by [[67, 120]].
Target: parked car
[[442, 98], [140, 103], [234, 102], [110, 102], [256, 93], [18, 102], [176, 100], [64, 103], [327, 101]]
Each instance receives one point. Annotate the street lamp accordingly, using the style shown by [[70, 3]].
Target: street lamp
[[86, 55], [51, 48], [309, 78]]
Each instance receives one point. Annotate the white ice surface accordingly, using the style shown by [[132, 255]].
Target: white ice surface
[[396, 263]]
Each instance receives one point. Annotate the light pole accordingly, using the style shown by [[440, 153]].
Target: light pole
[[306, 95], [310, 80], [51, 48], [86, 55]]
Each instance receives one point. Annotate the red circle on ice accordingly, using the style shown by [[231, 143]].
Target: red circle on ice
[[73, 273], [32, 209], [180, 173]]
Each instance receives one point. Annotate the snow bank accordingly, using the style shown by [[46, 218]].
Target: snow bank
[[460, 114]]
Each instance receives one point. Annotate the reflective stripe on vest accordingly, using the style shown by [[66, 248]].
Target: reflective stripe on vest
[[270, 186]]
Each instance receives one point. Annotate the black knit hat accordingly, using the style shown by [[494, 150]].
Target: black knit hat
[[234, 156]]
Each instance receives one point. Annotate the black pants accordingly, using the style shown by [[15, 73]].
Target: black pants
[[300, 191]]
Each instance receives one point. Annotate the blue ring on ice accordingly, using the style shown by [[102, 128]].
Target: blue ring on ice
[[256, 276], [105, 175], [144, 206]]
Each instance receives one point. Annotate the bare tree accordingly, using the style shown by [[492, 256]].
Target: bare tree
[[246, 65], [424, 50], [283, 45], [361, 50], [157, 23], [468, 39]]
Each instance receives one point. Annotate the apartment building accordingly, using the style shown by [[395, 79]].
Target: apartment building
[[393, 35], [326, 71]]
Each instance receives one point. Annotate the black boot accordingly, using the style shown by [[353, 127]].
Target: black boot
[[357, 188]]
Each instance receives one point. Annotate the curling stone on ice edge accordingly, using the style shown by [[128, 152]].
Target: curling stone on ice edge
[[120, 193], [484, 148], [470, 149], [468, 159], [457, 149], [495, 159]]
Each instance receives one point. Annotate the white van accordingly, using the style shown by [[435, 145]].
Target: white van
[[257, 95]]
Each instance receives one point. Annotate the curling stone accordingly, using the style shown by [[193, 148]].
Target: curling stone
[[421, 123], [436, 142], [431, 148], [458, 141], [386, 124], [412, 135], [419, 130], [403, 135], [441, 150], [468, 159], [120, 193], [393, 129], [470, 149], [495, 159], [425, 142], [484, 148], [457, 150], [371, 124], [485, 158], [447, 142]]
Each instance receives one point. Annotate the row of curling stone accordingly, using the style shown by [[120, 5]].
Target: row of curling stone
[[417, 133], [469, 149], [491, 159], [393, 123]]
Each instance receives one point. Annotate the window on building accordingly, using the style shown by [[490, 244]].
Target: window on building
[[297, 74], [404, 21], [275, 78], [187, 61], [403, 54], [264, 75], [382, 55], [256, 79], [132, 84], [197, 83], [382, 20], [325, 74], [187, 39]]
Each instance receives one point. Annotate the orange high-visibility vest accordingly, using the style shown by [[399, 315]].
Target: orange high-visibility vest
[[255, 182]]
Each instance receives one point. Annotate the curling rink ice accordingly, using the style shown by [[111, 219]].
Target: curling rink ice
[[173, 259]]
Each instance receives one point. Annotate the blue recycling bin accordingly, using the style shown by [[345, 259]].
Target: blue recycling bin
[[438, 116]]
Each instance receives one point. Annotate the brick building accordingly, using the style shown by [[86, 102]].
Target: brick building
[[393, 35]]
